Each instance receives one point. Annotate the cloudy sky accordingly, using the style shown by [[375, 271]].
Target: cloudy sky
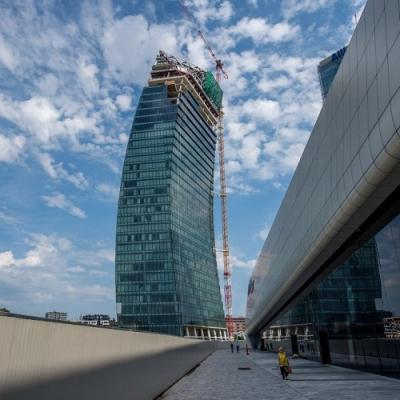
[[71, 74]]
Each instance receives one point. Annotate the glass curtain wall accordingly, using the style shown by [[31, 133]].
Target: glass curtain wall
[[357, 306], [166, 273]]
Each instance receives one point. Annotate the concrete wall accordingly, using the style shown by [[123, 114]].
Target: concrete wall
[[50, 360]]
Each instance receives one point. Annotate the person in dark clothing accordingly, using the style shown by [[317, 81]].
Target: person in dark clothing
[[237, 347], [231, 347]]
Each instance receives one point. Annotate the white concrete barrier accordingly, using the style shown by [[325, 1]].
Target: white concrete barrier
[[43, 360]]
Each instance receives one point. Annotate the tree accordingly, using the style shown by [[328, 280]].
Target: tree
[[5, 310]]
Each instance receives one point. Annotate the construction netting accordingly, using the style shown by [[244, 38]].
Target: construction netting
[[211, 87]]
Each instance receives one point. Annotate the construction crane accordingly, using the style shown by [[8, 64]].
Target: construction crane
[[220, 73]]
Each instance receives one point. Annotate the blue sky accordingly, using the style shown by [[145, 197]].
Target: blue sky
[[71, 74]]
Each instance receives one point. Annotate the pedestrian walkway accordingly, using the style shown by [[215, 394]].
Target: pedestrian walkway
[[229, 376]]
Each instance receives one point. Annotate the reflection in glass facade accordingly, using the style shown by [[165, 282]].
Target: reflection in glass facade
[[166, 273], [357, 305], [345, 303]]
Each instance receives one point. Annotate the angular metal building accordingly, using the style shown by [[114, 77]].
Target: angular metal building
[[346, 304], [166, 272], [344, 192]]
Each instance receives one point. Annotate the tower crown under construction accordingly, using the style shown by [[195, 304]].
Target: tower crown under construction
[[180, 76], [166, 271]]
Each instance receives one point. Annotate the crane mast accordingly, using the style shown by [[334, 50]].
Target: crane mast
[[220, 72], [225, 239]]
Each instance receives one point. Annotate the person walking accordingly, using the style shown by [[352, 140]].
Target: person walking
[[232, 347], [237, 346], [283, 363]]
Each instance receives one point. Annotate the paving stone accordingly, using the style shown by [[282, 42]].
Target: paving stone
[[317, 381], [219, 378]]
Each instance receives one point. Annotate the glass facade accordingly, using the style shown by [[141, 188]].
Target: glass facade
[[328, 68], [357, 305], [166, 272], [345, 302]]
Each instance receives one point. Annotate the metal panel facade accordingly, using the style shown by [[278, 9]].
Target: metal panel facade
[[347, 170]]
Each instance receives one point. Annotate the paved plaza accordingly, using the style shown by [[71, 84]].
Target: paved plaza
[[220, 377]]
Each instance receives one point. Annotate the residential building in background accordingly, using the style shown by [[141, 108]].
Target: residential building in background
[[56, 315], [166, 271], [327, 282], [239, 324], [95, 319]]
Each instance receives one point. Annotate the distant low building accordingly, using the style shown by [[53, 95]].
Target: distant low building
[[392, 327], [95, 319], [56, 315], [239, 324]]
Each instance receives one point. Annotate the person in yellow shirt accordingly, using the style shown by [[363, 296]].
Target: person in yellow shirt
[[283, 363]]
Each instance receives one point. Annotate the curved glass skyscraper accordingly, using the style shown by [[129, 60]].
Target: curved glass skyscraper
[[166, 272]]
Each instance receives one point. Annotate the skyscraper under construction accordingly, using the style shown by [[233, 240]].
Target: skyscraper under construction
[[166, 272]]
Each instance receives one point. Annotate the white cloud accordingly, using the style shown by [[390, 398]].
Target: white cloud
[[204, 10], [51, 270], [95, 259], [87, 73], [278, 123], [7, 259], [46, 123], [235, 262], [108, 189], [253, 3], [129, 56], [196, 52], [264, 110], [239, 263], [44, 249], [37, 115], [249, 151], [7, 56], [48, 84], [358, 3], [259, 30], [58, 200], [124, 102], [57, 171], [7, 218], [66, 102], [292, 7], [268, 85], [263, 233], [238, 130], [232, 167], [240, 67], [11, 148]]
